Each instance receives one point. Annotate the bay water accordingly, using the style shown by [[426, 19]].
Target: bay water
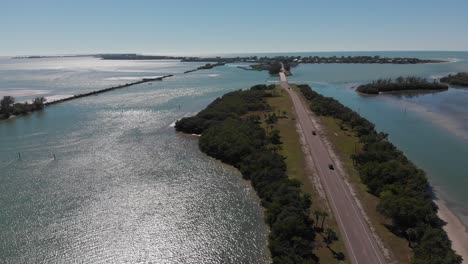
[[124, 187]]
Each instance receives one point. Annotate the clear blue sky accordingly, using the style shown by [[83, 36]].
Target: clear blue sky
[[205, 26]]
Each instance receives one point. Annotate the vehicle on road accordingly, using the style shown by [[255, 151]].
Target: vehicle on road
[[330, 166]]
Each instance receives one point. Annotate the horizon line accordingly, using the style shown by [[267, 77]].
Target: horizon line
[[195, 54]]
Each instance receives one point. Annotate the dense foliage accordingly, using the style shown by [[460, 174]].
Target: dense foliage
[[233, 104], [460, 78], [239, 140], [403, 189], [8, 107], [400, 84], [275, 68]]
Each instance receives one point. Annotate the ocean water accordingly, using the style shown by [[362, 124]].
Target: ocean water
[[126, 188]]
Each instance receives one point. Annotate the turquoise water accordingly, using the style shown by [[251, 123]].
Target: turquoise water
[[126, 188]]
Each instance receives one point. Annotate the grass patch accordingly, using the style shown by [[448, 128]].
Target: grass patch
[[345, 143], [296, 168]]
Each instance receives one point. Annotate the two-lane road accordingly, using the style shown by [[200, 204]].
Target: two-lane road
[[360, 243]]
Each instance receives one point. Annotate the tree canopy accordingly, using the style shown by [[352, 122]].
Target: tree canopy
[[400, 84], [8, 107]]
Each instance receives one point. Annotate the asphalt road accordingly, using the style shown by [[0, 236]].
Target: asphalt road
[[361, 245]]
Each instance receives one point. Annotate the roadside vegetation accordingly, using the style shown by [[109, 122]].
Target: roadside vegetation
[[400, 84], [8, 107], [345, 143], [403, 192], [460, 79], [282, 118], [232, 132]]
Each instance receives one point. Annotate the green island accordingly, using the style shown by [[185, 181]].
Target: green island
[[9, 108], [316, 59], [232, 131], [404, 195], [207, 67], [459, 79], [409, 83], [268, 60]]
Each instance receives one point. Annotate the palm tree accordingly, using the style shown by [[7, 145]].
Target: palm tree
[[324, 215], [317, 214], [330, 236]]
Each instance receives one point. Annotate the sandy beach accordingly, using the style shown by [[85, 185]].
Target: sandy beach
[[455, 229]]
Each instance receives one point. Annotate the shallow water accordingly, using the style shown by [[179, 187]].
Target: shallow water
[[126, 188]]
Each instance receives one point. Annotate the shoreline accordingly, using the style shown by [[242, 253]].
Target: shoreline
[[456, 230]]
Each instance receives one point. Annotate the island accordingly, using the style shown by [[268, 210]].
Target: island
[[134, 56], [459, 79], [400, 84], [233, 130], [316, 59], [255, 59], [8, 107], [207, 67], [238, 129], [270, 64]]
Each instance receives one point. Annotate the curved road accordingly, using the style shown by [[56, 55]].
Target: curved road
[[360, 243]]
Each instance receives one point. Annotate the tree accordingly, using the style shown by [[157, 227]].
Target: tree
[[6, 104], [330, 236], [411, 235], [275, 137], [317, 214], [324, 215], [38, 102]]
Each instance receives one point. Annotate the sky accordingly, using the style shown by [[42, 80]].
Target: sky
[[207, 27]]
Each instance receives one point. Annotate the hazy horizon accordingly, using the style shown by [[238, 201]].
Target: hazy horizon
[[214, 27], [222, 53]]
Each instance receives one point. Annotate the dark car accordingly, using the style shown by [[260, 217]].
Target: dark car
[[330, 166], [313, 133]]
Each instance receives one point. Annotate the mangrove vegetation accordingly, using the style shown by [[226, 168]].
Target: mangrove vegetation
[[231, 132], [459, 79], [400, 84], [8, 107]]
